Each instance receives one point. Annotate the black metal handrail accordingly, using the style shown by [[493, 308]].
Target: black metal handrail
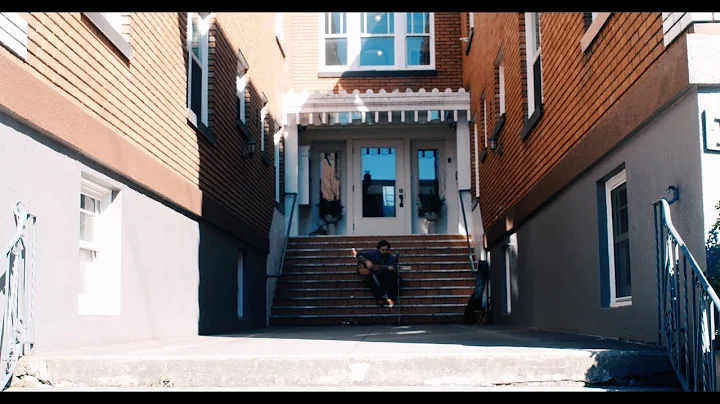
[[287, 236], [686, 319], [467, 231]]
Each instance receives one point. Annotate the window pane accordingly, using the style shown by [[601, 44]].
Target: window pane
[[86, 258], [196, 88], [196, 36], [428, 181], [89, 203], [377, 51], [623, 283], [87, 227], [379, 23], [537, 79], [418, 23], [418, 51], [336, 52], [336, 23], [378, 182]]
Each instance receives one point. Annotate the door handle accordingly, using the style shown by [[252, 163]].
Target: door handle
[[401, 200]]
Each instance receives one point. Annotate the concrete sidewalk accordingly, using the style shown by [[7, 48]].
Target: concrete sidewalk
[[353, 357]]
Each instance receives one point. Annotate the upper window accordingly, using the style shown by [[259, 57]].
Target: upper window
[[532, 57], [115, 27], [377, 41], [198, 27]]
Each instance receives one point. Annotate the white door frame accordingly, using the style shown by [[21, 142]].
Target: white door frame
[[381, 226]]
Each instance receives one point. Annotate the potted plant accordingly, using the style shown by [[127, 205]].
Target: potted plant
[[331, 212], [430, 206]]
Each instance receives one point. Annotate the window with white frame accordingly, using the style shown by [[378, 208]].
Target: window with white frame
[[501, 86], [593, 16], [508, 278], [533, 64], [484, 111], [477, 156], [241, 285], [198, 27], [99, 242], [241, 84], [471, 21], [280, 28], [263, 130], [112, 27], [377, 41], [618, 242], [115, 20]]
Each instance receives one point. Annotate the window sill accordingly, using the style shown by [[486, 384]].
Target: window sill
[[280, 45], [378, 73], [469, 40], [111, 34], [266, 158], [622, 302], [531, 122], [200, 127], [593, 31], [498, 126], [483, 154], [244, 130]]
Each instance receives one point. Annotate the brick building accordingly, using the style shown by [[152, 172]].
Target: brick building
[[150, 120], [582, 120]]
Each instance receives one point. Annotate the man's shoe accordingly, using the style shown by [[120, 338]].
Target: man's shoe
[[390, 303]]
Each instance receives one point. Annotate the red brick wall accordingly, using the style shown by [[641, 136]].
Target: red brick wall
[[578, 87], [144, 98], [304, 58]]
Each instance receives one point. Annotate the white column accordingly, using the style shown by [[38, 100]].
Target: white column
[[291, 171], [463, 169]]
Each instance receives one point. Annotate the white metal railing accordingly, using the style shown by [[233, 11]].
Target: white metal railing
[[17, 295]]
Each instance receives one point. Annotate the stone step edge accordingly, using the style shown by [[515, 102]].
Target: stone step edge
[[419, 271], [352, 264], [363, 306], [365, 288], [394, 313], [373, 244], [394, 249], [370, 297], [285, 280], [325, 257]]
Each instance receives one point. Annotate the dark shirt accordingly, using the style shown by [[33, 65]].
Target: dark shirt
[[376, 258]]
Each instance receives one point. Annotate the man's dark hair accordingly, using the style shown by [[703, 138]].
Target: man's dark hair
[[383, 243]]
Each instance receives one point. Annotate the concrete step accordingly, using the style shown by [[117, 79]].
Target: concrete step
[[332, 302], [350, 265], [332, 251], [408, 259], [304, 290], [356, 357], [368, 309], [308, 273], [375, 239], [382, 316], [372, 244], [320, 284]]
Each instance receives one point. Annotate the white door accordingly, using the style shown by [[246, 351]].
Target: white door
[[380, 193]]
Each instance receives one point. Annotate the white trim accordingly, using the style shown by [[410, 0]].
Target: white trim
[[501, 79], [14, 34], [241, 84], [614, 182], [314, 102], [508, 279], [204, 41], [102, 276], [531, 56], [115, 20], [276, 141], [352, 32], [280, 29], [477, 158], [485, 121], [471, 20], [263, 114], [598, 21]]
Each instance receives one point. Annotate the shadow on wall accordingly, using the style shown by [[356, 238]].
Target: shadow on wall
[[712, 253], [238, 197]]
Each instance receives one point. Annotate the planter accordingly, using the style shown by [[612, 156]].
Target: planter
[[432, 216], [330, 220]]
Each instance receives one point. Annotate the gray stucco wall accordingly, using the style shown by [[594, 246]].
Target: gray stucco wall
[[555, 260], [178, 278], [709, 107]]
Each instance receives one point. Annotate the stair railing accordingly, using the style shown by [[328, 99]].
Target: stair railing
[[686, 321], [17, 281], [287, 236], [467, 231]]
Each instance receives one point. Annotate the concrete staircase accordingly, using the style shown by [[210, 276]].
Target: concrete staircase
[[319, 285]]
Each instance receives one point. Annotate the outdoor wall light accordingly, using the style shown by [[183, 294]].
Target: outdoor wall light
[[250, 151], [301, 128], [450, 120], [493, 143]]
